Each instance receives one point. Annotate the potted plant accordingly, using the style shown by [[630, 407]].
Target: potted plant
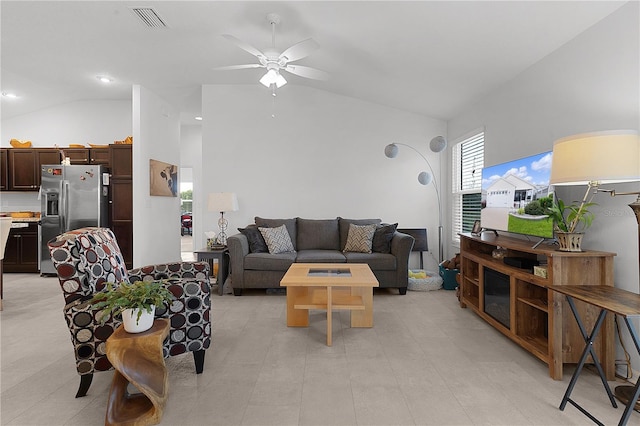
[[569, 221], [136, 302]]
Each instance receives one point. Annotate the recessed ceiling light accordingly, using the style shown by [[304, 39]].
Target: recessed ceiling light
[[104, 79], [198, 118], [9, 95]]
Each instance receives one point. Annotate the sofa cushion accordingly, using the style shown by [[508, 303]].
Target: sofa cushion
[[344, 227], [269, 262], [277, 239], [376, 261], [382, 238], [274, 223], [360, 238], [318, 234], [255, 239], [320, 256]]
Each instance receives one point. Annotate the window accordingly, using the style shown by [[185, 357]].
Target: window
[[468, 161]]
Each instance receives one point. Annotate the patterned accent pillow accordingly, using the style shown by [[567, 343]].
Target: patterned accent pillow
[[278, 239], [360, 238]]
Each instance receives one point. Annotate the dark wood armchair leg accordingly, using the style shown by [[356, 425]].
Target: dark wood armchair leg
[[198, 357], [85, 383]]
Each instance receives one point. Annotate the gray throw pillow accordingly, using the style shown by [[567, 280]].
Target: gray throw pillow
[[382, 238], [360, 238], [278, 239], [255, 239]]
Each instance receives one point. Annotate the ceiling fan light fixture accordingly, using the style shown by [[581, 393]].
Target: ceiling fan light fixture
[[273, 77]]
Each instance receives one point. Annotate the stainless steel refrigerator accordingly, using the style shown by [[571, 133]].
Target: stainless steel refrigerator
[[71, 197]]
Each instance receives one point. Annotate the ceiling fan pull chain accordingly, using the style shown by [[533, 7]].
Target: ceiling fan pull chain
[[273, 101]]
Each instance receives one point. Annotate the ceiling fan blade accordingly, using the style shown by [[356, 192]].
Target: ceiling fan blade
[[244, 46], [307, 72], [299, 50], [238, 67]]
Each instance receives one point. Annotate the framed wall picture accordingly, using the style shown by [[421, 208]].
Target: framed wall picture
[[477, 228], [163, 179]]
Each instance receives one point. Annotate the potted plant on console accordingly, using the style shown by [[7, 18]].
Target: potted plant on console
[[570, 220], [136, 302]]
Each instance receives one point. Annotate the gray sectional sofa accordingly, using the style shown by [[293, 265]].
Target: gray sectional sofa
[[316, 241]]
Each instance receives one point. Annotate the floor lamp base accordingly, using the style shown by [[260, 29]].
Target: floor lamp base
[[624, 393]]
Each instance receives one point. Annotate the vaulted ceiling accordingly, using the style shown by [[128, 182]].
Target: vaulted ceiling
[[431, 58]]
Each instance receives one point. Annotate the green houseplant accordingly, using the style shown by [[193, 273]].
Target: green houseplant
[[132, 300], [570, 220]]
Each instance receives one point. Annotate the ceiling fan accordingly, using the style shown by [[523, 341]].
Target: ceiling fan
[[275, 62]]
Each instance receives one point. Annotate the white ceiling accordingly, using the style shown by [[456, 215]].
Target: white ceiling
[[431, 58]]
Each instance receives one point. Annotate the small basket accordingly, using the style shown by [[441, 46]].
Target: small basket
[[432, 282], [449, 277]]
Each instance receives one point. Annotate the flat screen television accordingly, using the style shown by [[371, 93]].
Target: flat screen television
[[515, 195]]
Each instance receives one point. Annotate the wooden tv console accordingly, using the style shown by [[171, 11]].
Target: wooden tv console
[[540, 319]]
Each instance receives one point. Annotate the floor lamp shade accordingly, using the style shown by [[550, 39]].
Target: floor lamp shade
[[600, 157]]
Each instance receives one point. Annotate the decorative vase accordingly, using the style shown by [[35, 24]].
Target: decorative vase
[[569, 241], [134, 325]]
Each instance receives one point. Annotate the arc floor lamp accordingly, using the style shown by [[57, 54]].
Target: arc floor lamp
[[437, 145]]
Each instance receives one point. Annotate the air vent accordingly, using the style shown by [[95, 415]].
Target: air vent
[[149, 17]]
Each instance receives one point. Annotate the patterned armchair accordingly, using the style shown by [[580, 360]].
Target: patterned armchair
[[86, 259]]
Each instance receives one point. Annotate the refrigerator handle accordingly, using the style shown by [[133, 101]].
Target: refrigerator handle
[[63, 211]]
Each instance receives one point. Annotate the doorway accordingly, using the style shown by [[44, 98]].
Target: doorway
[[186, 214]]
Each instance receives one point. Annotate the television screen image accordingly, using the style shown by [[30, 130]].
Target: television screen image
[[516, 194]]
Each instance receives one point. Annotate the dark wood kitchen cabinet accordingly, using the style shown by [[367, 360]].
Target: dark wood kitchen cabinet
[[77, 155], [4, 173], [21, 252], [100, 156], [24, 166], [121, 211]]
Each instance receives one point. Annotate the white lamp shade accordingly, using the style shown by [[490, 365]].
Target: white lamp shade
[[424, 178], [438, 144], [602, 157], [391, 150], [223, 202]]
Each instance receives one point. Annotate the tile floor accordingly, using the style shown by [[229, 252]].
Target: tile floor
[[425, 362]]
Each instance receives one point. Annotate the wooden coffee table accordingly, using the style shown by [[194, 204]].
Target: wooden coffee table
[[329, 286]]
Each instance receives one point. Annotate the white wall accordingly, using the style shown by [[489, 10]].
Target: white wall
[[320, 157], [156, 220], [82, 122], [589, 84]]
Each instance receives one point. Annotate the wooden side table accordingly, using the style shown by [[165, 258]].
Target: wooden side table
[[223, 263], [138, 360]]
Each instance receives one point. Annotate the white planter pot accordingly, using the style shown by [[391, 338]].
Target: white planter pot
[[134, 325]]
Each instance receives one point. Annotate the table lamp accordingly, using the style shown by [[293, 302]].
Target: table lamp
[[599, 158], [222, 202]]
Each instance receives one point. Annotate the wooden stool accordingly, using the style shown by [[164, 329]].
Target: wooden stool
[[138, 360]]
